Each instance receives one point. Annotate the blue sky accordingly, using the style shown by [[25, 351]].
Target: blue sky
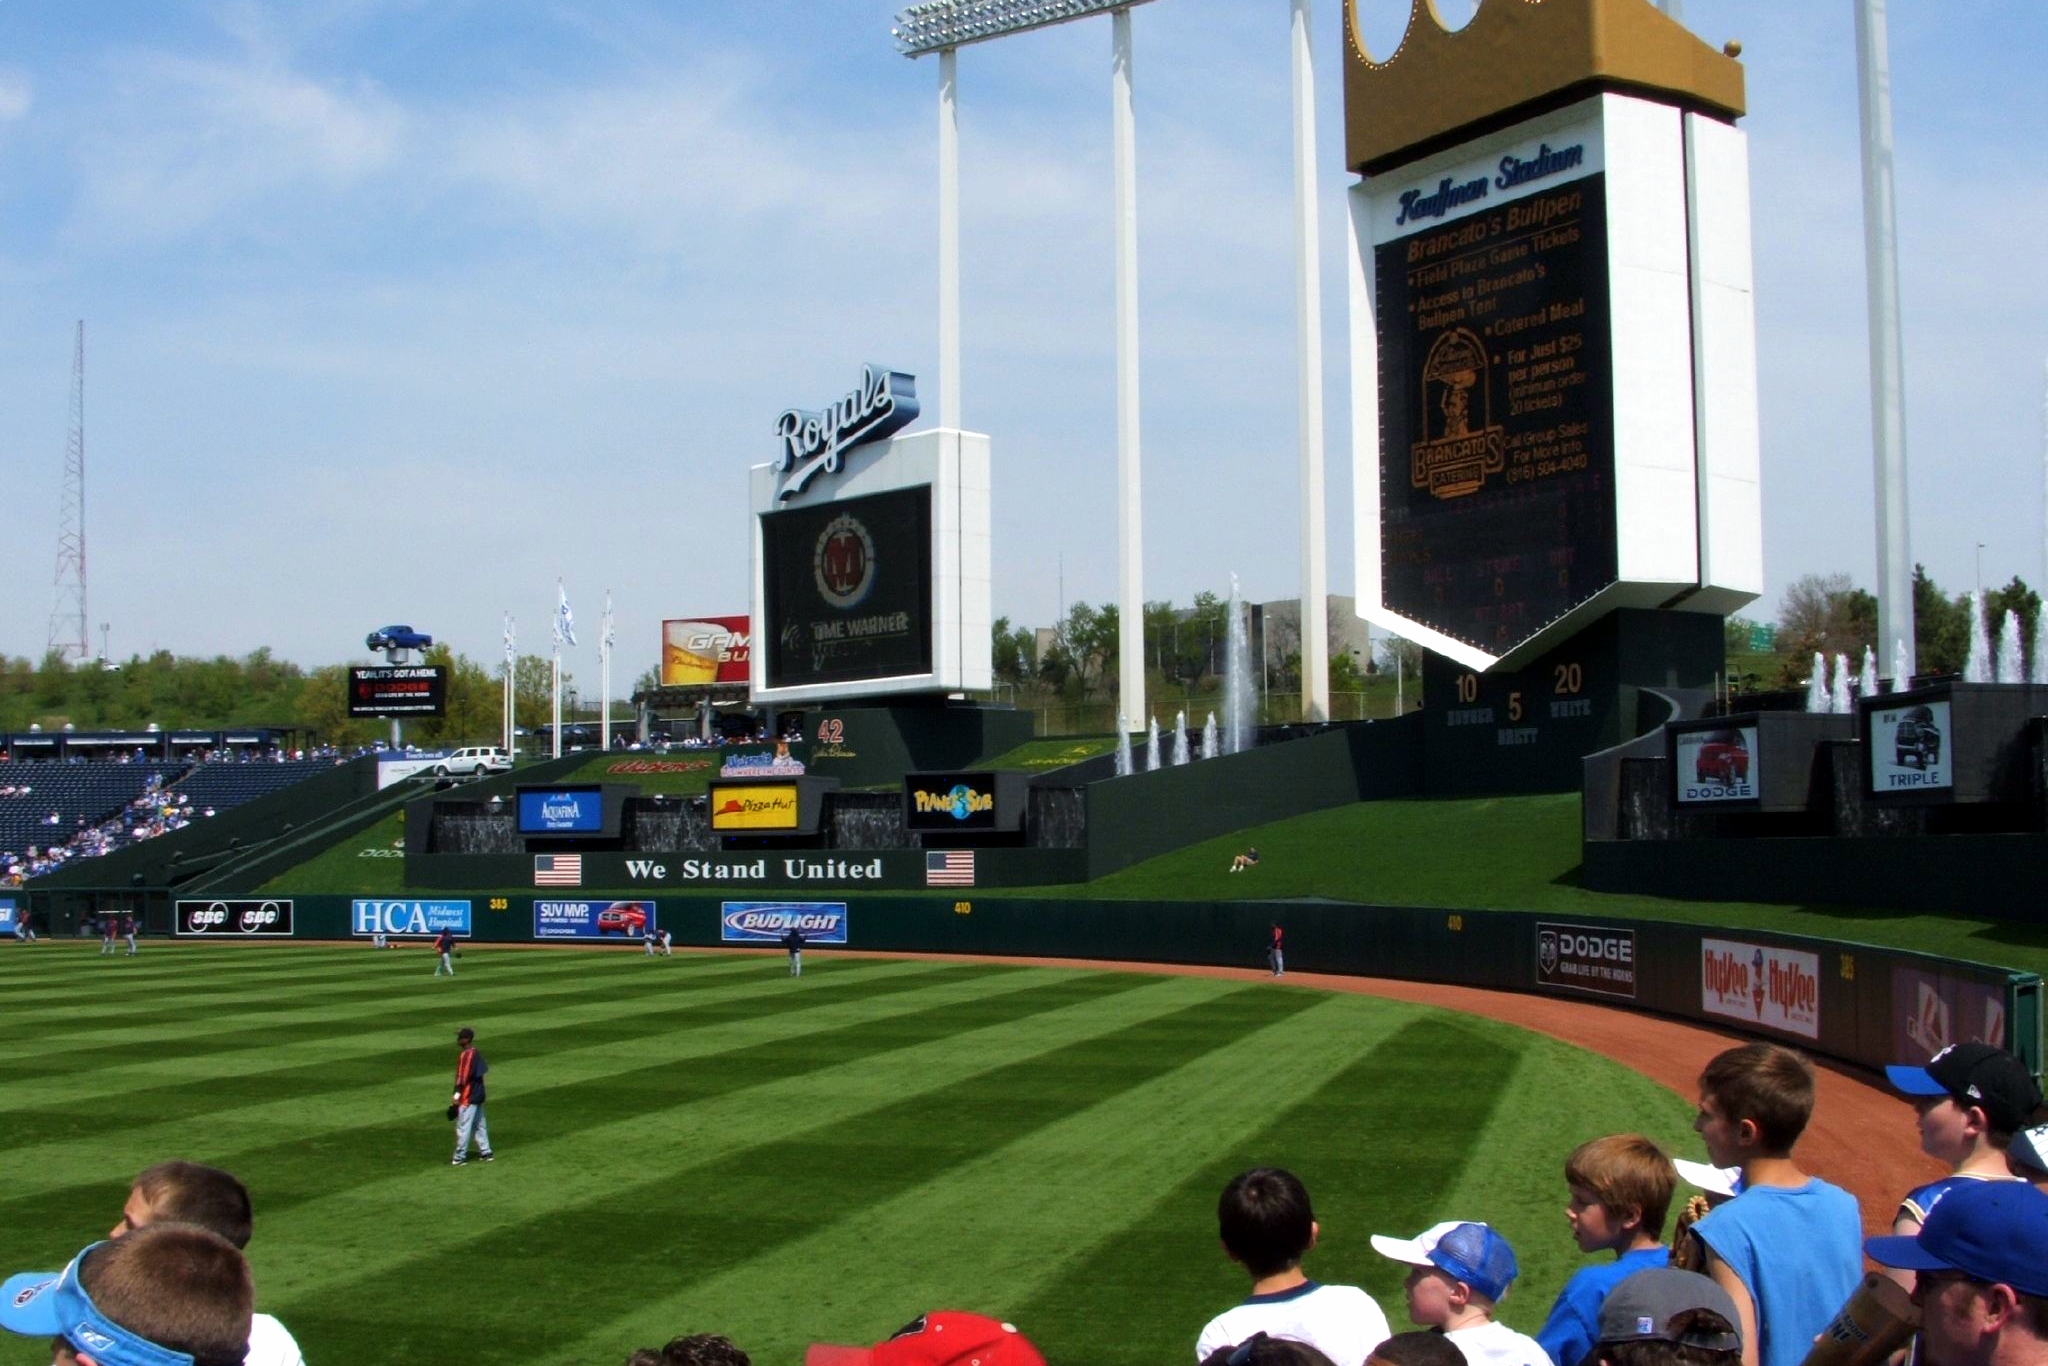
[[396, 310]]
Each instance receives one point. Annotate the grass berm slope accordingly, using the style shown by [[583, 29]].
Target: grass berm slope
[[702, 1143]]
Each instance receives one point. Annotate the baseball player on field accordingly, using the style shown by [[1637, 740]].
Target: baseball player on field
[[467, 1106], [444, 945]]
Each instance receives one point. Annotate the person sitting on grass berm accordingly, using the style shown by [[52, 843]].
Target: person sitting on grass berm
[[1248, 859]]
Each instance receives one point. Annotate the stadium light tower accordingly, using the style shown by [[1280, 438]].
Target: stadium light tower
[[945, 26]]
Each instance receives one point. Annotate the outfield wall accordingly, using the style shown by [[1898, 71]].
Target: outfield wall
[[1856, 1003]]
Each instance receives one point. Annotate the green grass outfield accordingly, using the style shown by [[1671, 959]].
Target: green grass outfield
[[701, 1144]]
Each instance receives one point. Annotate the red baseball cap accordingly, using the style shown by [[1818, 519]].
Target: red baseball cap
[[947, 1337]]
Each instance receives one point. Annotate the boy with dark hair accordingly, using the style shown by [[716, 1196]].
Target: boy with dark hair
[[1419, 1348], [1668, 1317], [1788, 1248], [1260, 1350], [1459, 1272], [1971, 1098], [1267, 1227], [172, 1295], [1621, 1189]]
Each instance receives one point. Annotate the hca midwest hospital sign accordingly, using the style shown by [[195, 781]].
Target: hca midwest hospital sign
[[875, 580]]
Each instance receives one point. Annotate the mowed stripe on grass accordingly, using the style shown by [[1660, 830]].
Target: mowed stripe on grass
[[701, 1143]]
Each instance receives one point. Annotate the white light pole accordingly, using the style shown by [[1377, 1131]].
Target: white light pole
[[943, 26], [1887, 358], [1308, 348], [1130, 626], [949, 238]]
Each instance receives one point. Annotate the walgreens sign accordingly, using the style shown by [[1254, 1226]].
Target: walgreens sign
[[1761, 986]]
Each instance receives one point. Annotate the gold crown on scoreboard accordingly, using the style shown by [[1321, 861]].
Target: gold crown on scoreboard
[[1514, 59]]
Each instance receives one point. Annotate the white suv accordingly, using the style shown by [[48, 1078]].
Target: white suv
[[475, 759]]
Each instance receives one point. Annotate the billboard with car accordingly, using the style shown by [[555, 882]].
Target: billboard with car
[[1909, 747], [1715, 765], [593, 919]]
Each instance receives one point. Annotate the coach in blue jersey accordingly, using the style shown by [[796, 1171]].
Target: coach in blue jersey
[[468, 1103]]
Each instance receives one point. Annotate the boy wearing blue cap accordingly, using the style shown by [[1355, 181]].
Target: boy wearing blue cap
[[167, 1295], [1460, 1272], [1971, 1099], [1981, 1271]]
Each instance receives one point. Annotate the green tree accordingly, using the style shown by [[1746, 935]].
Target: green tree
[[1012, 651], [475, 704], [321, 711], [1941, 627]]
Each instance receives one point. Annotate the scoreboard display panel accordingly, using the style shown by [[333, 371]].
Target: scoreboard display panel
[[1497, 499], [847, 589]]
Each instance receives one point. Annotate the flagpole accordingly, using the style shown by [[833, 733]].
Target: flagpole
[[605, 676], [509, 708], [555, 728]]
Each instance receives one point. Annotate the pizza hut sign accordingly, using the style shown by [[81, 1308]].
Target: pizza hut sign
[[254, 919]]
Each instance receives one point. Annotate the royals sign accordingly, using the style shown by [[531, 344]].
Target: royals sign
[[884, 404]]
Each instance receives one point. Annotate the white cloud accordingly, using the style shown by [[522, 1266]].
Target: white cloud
[[16, 94]]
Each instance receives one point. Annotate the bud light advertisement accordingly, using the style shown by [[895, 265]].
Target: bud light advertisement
[[765, 922]]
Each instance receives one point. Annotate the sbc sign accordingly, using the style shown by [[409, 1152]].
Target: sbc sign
[[409, 917], [228, 919]]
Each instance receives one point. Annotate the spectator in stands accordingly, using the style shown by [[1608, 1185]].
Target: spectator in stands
[[161, 1296], [1459, 1273], [1971, 1098], [1416, 1349], [1621, 1190], [1667, 1317], [1981, 1267], [1787, 1249], [1267, 1226], [945, 1337]]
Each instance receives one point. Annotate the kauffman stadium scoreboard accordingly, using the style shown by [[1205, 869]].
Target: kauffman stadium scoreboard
[[1554, 374]]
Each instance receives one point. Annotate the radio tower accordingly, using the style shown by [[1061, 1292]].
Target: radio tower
[[67, 619]]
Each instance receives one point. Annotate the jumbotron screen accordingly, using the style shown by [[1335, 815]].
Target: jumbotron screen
[[847, 589], [1496, 417]]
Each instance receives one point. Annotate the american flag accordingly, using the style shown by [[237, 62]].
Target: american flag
[[558, 870], [949, 868]]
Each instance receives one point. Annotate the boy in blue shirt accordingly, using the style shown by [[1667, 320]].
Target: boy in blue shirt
[[1789, 1248], [1621, 1189], [1971, 1099]]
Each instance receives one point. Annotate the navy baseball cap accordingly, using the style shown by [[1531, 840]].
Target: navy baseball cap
[[1991, 1230], [2030, 1149], [1975, 1074], [42, 1304]]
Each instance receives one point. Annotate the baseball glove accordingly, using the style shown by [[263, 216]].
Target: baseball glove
[[452, 1110]]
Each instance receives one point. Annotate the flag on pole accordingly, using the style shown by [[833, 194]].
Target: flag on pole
[[609, 637], [508, 638], [565, 620]]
